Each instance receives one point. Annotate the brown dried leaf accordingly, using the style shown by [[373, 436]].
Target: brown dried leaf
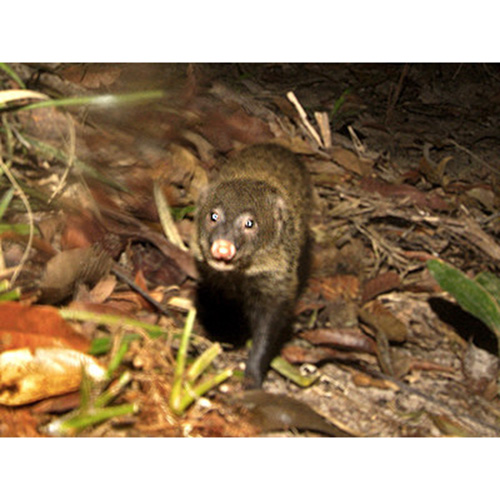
[[86, 265], [364, 380], [423, 200], [335, 287], [351, 161], [434, 173], [380, 284], [18, 422], [279, 412], [382, 320], [103, 289], [349, 338], [222, 127], [92, 76], [298, 355], [58, 404], [36, 326]]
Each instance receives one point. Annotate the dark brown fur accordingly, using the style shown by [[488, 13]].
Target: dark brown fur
[[253, 293]]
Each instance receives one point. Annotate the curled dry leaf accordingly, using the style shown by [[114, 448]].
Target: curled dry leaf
[[350, 338], [351, 161], [41, 354], [67, 268], [27, 376], [297, 355], [382, 320]]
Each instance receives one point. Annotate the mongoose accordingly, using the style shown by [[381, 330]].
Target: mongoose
[[251, 246]]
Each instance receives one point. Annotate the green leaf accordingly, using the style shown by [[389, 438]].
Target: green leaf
[[471, 295], [21, 229], [5, 67], [490, 283], [4, 203]]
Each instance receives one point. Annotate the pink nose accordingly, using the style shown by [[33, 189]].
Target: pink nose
[[223, 250]]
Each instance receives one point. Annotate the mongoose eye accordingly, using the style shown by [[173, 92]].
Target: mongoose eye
[[214, 216], [249, 224]]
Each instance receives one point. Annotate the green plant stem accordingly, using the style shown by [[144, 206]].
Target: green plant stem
[[193, 393], [292, 372], [117, 358], [77, 423], [113, 390], [203, 361], [175, 395], [153, 331]]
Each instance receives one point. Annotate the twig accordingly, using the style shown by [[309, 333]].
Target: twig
[[397, 92], [6, 170], [303, 116], [324, 127], [70, 160], [472, 155], [119, 273], [358, 145]]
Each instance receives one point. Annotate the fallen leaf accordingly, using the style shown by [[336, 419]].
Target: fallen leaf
[[381, 319], [334, 287], [380, 284], [85, 265], [92, 76], [279, 412], [36, 326], [348, 338], [27, 376], [351, 161], [297, 355], [429, 200], [364, 380]]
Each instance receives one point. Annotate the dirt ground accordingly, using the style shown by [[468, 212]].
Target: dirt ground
[[405, 161]]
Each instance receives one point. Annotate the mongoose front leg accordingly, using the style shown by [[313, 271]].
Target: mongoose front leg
[[269, 323]]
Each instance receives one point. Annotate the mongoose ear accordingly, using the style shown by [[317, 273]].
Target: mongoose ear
[[280, 211]]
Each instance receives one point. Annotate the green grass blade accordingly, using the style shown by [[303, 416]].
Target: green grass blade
[[7, 69], [154, 331], [469, 294], [100, 100], [6, 199]]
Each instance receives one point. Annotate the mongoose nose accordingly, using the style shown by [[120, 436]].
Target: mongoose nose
[[223, 250]]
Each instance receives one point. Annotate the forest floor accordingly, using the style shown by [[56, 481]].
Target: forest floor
[[405, 161]]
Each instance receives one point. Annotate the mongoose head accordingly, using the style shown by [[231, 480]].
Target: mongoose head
[[236, 219]]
